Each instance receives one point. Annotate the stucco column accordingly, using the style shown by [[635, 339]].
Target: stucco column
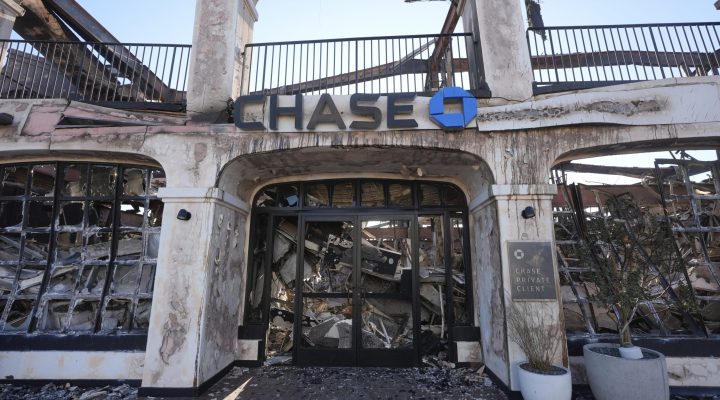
[[9, 10], [196, 303], [500, 27], [496, 221], [222, 29]]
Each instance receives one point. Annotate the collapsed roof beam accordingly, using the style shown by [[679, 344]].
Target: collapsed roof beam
[[632, 172], [52, 20], [81, 21], [123, 60], [39, 23], [443, 43], [702, 62]]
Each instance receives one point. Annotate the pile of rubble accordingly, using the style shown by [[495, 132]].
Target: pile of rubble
[[385, 267], [67, 392], [436, 380]]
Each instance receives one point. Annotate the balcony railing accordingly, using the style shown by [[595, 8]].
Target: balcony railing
[[390, 64], [580, 57], [123, 75]]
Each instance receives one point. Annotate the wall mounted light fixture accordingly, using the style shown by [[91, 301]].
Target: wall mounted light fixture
[[184, 215], [528, 213]]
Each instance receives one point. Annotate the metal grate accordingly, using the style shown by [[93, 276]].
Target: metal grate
[[577, 57]]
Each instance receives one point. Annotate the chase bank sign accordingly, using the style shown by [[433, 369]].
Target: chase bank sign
[[450, 109]]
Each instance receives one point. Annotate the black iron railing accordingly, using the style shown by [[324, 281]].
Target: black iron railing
[[390, 64], [94, 72], [578, 57]]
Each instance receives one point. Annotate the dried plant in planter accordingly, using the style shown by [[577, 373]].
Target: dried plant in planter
[[536, 337]]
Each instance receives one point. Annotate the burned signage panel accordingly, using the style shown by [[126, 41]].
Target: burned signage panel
[[531, 271]]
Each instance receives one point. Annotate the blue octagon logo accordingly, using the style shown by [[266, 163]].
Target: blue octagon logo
[[453, 121]]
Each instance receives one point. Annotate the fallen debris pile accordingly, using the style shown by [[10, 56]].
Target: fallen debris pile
[[67, 392], [385, 281], [433, 381]]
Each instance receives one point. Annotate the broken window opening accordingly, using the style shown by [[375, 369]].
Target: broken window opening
[[671, 220], [78, 247]]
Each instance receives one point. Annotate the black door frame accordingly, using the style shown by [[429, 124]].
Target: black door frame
[[288, 200], [356, 355]]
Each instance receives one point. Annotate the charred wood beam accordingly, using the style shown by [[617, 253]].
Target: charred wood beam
[[39, 23], [534, 17], [65, 61], [442, 44], [703, 61], [30, 76], [122, 59], [43, 23], [585, 194], [632, 172], [412, 66], [76, 62], [81, 21]]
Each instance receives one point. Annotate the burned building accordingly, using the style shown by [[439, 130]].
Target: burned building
[[168, 212]]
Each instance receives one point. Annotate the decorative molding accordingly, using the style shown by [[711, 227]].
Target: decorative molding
[[522, 190], [203, 195]]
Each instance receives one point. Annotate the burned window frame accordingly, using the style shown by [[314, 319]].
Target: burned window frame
[[670, 179], [84, 263], [447, 204]]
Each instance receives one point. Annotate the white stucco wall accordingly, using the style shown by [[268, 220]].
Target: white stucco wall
[[71, 365]]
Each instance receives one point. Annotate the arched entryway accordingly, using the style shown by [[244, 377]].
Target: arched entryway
[[358, 196]]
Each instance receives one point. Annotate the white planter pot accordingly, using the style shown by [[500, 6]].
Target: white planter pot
[[535, 386], [613, 378]]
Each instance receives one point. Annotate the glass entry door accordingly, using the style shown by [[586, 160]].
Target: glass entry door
[[385, 285], [324, 324], [356, 297]]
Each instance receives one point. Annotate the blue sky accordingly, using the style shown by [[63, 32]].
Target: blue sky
[[171, 21]]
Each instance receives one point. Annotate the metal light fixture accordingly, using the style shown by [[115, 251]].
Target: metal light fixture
[[184, 215], [528, 213]]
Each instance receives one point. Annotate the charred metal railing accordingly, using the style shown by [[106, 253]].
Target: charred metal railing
[[389, 64], [579, 57], [94, 72]]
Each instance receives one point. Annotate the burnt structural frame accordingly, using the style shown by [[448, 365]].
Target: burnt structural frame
[[126, 338]]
